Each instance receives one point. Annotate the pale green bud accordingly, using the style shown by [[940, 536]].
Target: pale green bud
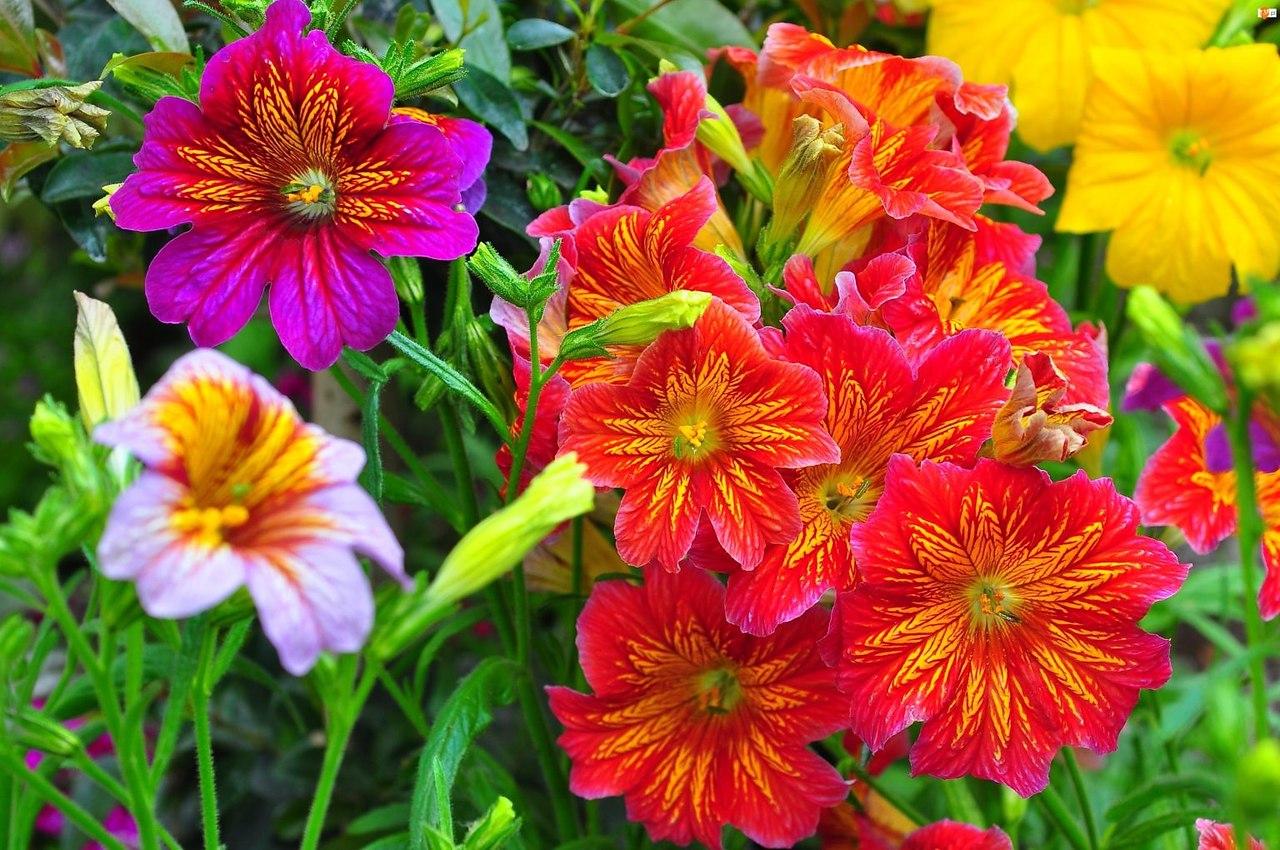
[[1176, 348], [54, 433], [38, 732], [406, 274], [489, 551], [493, 830], [51, 114], [1258, 780], [636, 324]]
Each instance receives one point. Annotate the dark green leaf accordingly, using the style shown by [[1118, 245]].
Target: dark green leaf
[[578, 149], [606, 71], [696, 25], [489, 98], [380, 819], [1141, 834], [452, 378], [536, 33], [476, 25], [464, 715], [84, 175], [1201, 785]]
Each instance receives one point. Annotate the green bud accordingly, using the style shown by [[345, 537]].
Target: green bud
[[55, 434], [1258, 780], [38, 732], [51, 113], [599, 194], [430, 73], [406, 274], [488, 551], [493, 830], [489, 367], [527, 293], [16, 633], [1013, 807], [1176, 348], [636, 324], [1225, 716], [543, 192]]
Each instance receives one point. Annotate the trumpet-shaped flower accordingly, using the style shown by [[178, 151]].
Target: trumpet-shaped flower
[[1220, 836], [695, 723], [877, 406], [1041, 49], [239, 491], [1001, 609], [957, 836], [1180, 156], [291, 170], [704, 424]]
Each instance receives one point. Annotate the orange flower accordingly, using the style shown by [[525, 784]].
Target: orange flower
[[695, 723], [1001, 609], [1034, 425]]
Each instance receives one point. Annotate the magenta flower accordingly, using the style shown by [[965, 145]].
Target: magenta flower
[[239, 491], [291, 171]]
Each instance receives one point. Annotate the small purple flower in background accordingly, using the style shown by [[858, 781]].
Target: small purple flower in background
[[121, 826], [239, 491], [291, 171]]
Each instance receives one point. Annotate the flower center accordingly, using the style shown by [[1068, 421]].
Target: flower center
[[1075, 7], [718, 691], [848, 498], [693, 439], [310, 195], [994, 604], [1191, 149], [207, 526]]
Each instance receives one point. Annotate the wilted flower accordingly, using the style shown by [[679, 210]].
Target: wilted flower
[[52, 114], [291, 170], [1002, 610], [694, 723], [239, 491], [1034, 425]]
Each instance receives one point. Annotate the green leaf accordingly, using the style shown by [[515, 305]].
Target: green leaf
[[380, 819], [536, 33], [606, 71], [697, 27], [157, 20], [456, 382], [465, 714], [1165, 788], [489, 98], [17, 159], [17, 38], [476, 25], [84, 175], [587, 157], [1140, 835]]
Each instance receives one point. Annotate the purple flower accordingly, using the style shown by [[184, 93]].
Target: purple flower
[[239, 491], [291, 171]]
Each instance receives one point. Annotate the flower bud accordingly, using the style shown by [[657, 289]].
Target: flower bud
[[1258, 780], [803, 175], [105, 380], [406, 274], [527, 293], [16, 633], [498, 542], [1176, 348], [493, 830], [52, 114], [38, 732], [543, 192], [54, 433], [636, 324], [489, 367]]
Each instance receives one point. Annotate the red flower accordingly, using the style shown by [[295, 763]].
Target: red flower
[[1034, 425], [1001, 609], [956, 836], [1220, 836], [877, 406], [705, 422], [696, 724]]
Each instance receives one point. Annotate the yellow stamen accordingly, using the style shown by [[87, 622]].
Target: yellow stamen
[[309, 195], [206, 525], [695, 434]]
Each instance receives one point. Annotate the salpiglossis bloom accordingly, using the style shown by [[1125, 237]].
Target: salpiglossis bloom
[[290, 174], [1034, 425], [1180, 156], [697, 724], [239, 491], [704, 424], [877, 405], [957, 836], [1001, 609], [1220, 836]]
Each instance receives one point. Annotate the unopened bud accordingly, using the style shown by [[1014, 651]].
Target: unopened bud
[[1258, 780], [636, 324], [498, 542], [1176, 348], [38, 732], [527, 293], [490, 368], [543, 192], [406, 274], [803, 175], [16, 633], [105, 381], [492, 831], [51, 114], [54, 433]]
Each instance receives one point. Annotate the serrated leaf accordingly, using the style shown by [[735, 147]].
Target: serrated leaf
[[537, 33], [464, 715], [606, 71], [489, 98], [157, 20]]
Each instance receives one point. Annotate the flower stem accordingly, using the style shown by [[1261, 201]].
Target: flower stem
[[1058, 812], [51, 795], [911, 812], [204, 741], [1250, 537], [1082, 795]]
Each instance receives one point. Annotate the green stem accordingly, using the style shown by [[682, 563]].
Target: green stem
[[894, 799], [341, 721], [1249, 532], [86, 822], [1057, 811], [1082, 795], [204, 740], [545, 749]]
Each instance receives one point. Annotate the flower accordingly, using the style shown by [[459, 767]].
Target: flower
[[472, 143], [703, 425], [1041, 49], [1034, 425], [957, 836], [291, 171], [1001, 609], [239, 491], [695, 723], [877, 405], [1190, 483], [1220, 836], [1180, 156]]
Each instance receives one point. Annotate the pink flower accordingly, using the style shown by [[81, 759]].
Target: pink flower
[[239, 491], [291, 171]]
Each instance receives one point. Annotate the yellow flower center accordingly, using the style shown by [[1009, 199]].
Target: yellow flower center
[[207, 525], [1075, 7], [1191, 149], [692, 439], [718, 691], [993, 603], [310, 195], [848, 498]]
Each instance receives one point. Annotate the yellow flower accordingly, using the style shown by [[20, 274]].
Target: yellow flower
[[1040, 48], [1180, 155]]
